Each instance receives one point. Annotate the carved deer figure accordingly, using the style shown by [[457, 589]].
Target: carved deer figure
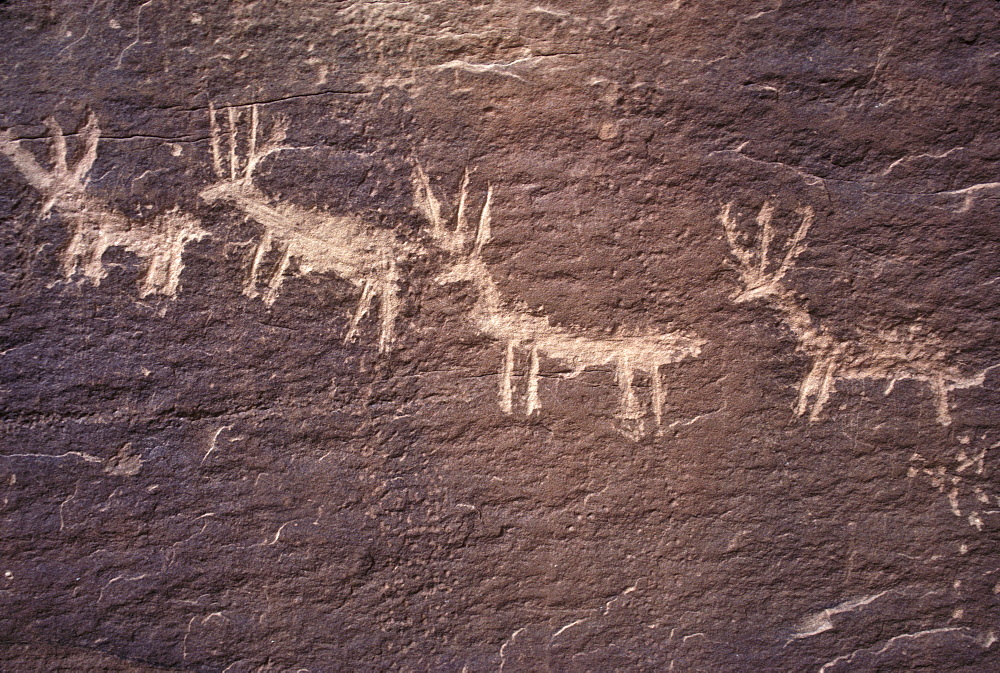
[[97, 227], [966, 490], [320, 241], [520, 331], [880, 355]]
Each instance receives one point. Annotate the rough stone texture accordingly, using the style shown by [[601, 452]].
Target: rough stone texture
[[199, 472]]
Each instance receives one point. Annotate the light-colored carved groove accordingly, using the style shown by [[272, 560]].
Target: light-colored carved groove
[[96, 226], [512, 325], [890, 356]]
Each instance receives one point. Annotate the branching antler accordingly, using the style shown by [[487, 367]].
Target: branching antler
[[228, 167], [451, 240], [63, 181], [757, 271]]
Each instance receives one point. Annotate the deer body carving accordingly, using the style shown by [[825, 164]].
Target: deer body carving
[[880, 355], [95, 226], [344, 245], [522, 332]]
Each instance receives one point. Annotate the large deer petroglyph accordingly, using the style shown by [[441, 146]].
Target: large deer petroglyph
[[97, 227], [520, 331], [877, 354], [321, 242]]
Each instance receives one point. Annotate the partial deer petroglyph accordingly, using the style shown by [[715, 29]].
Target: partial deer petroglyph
[[965, 481], [96, 227], [892, 355], [522, 332], [345, 245]]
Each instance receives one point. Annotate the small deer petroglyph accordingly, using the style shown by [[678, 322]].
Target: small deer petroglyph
[[96, 227], [966, 490], [520, 331], [321, 242], [880, 355]]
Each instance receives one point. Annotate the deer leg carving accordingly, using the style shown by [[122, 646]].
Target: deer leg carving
[[168, 280], [94, 246], [75, 251], [827, 386], [628, 408], [810, 385], [506, 380], [157, 268], [279, 273], [815, 389], [263, 246], [532, 401], [388, 306], [173, 271], [156, 275], [940, 390], [657, 385], [364, 304]]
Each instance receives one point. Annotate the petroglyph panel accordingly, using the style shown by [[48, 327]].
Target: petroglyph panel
[[571, 335]]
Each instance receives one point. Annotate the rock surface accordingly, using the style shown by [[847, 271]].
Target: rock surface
[[579, 335]]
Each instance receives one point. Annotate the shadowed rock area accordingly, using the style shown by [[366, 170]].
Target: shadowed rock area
[[577, 335]]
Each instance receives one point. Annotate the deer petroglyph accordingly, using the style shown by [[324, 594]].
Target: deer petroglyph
[[522, 332], [96, 227], [965, 480], [319, 241], [891, 355]]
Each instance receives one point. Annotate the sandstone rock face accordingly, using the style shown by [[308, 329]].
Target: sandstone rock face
[[576, 335]]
